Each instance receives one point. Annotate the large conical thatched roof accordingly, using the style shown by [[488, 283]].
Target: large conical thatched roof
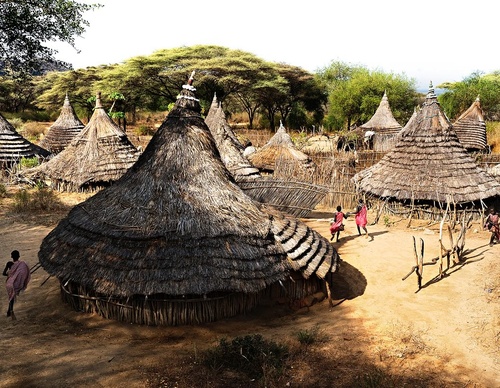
[[428, 163], [470, 128], [230, 149], [177, 224], [280, 148], [98, 156], [63, 130], [13, 146], [382, 122]]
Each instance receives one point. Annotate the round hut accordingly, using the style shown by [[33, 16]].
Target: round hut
[[280, 153], [470, 128], [382, 127], [63, 130], [95, 158], [176, 241], [230, 149], [14, 147], [428, 164]]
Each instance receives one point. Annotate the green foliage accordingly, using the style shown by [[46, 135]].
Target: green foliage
[[251, 355], [144, 130], [460, 95], [26, 27], [39, 200], [355, 94], [310, 336], [29, 162]]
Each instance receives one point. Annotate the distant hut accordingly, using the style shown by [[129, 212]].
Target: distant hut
[[95, 158], [280, 150], [470, 128], [230, 149], [428, 165], [382, 127], [175, 240], [63, 130], [14, 147]]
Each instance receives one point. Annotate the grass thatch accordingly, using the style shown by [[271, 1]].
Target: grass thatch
[[98, 156], [14, 147], [428, 163], [470, 128], [177, 225], [63, 130]]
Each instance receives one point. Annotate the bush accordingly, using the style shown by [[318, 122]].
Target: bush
[[251, 355], [144, 130], [3, 191], [33, 130], [311, 336], [41, 199], [29, 162]]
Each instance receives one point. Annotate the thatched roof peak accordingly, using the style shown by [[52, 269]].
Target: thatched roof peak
[[63, 130], [177, 224], [428, 163], [14, 147], [470, 128], [382, 121]]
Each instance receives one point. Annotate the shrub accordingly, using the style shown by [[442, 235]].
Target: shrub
[[311, 336], [33, 130], [41, 199], [144, 130], [16, 122], [251, 355], [29, 162]]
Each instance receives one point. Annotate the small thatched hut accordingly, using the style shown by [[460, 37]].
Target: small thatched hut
[[14, 147], [382, 126], [280, 149], [428, 164], [230, 149], [63, 130], [95, 158], [470, 128], [176, 241]]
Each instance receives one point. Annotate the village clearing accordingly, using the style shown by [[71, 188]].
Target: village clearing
[[445, 335]]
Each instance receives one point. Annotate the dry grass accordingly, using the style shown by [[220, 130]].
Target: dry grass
[[493, 135], [33, 130]]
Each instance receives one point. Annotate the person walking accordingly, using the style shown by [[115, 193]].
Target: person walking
[[337, 223], [18, 277], [361, 217]]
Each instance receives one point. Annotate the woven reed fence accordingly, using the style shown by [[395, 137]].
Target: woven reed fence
[[163, 310]]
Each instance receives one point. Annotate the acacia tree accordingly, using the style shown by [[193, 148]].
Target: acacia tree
[[27, 25], [460, 95]]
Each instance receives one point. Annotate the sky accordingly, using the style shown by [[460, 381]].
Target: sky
[[427, 40]]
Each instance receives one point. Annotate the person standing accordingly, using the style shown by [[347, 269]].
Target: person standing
[[337, 223], [361, 217], [492, 225], [18, 277]]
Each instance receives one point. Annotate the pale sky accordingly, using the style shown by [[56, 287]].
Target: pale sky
[[428, 40]]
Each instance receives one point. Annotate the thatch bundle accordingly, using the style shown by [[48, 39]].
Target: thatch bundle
[[428, 163], [98, 156], [63, 130], [14, 147], [280, 148], [470, 128], [175, 240], [230, 149]]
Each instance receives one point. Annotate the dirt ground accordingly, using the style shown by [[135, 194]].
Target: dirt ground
[[445, 335]]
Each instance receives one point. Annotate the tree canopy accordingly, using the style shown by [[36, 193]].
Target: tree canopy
[[27, 25]]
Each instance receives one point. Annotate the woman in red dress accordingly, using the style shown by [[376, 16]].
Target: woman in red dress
[[336, 224], [361, 221]]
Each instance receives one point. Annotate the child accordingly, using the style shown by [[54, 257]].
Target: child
[[336, 224], [491, 224], [361, 221], [18, 277]]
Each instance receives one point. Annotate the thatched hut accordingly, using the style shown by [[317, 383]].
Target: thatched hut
[[63, 130], [382, 127], [470, 128], [95, 158], [230, 149], [14, 147], [176, 241], [280, 149], [428, 164]]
